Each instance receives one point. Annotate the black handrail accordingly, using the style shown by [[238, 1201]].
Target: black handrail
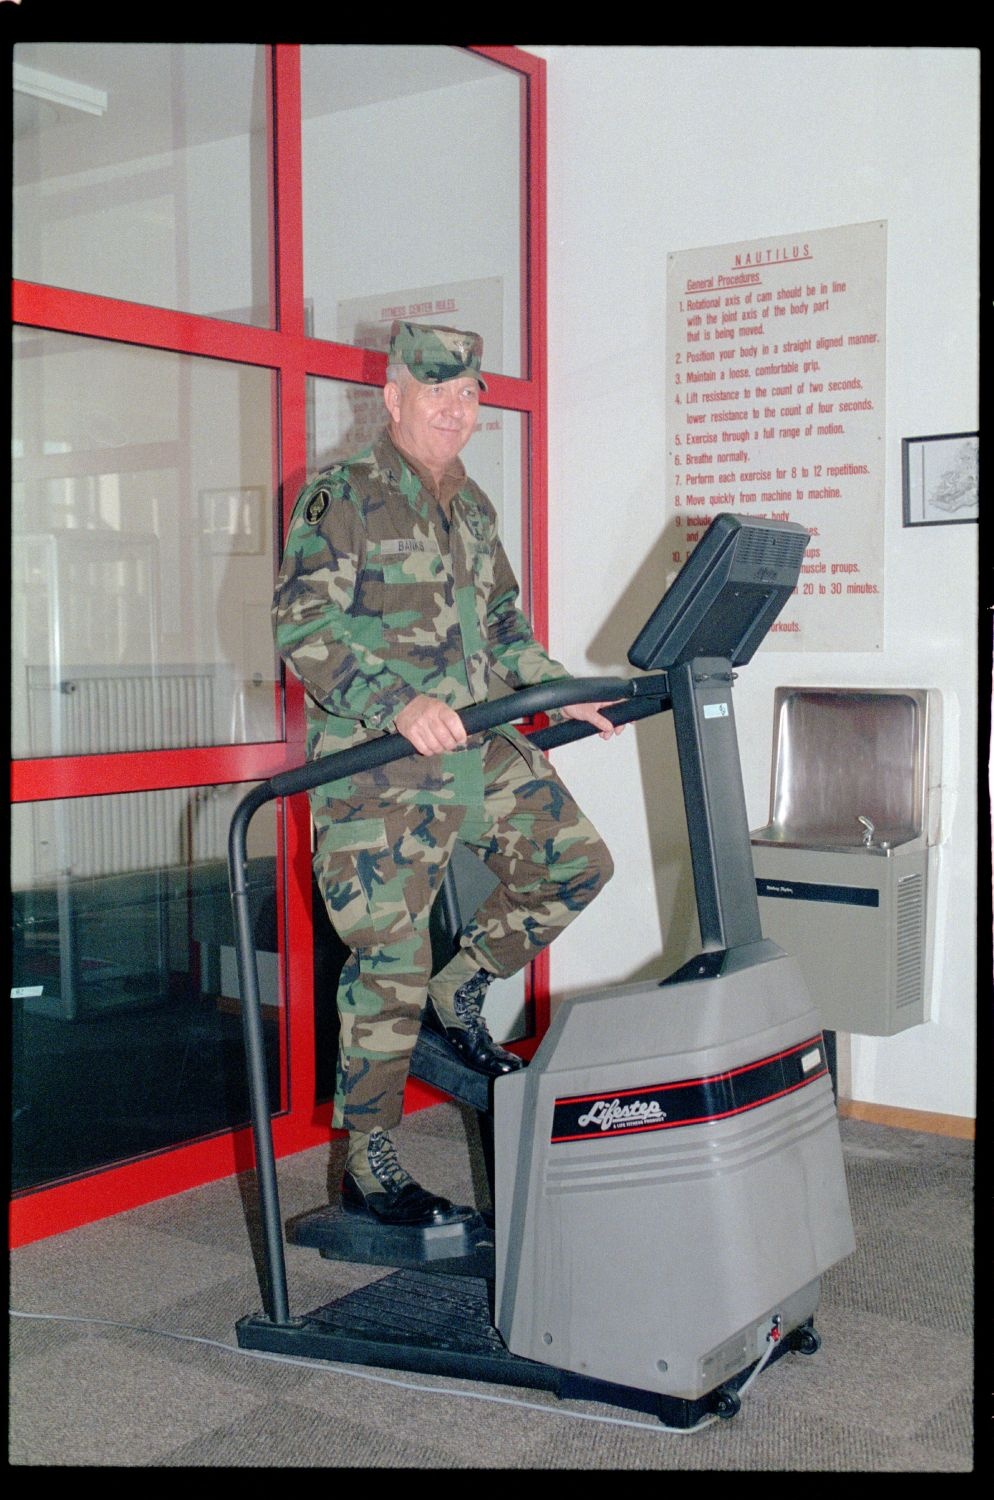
[[639, 698]]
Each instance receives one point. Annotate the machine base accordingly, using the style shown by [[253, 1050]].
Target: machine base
[[670, 1177], [440, 1324]]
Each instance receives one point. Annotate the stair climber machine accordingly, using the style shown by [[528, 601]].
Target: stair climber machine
[[667, 1173]]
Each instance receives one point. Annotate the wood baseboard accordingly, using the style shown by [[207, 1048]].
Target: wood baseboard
[[960, 1127]]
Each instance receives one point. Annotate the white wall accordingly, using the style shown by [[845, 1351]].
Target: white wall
[[652, 150]]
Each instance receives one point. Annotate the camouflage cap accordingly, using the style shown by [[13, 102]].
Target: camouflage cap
[[433, 353]]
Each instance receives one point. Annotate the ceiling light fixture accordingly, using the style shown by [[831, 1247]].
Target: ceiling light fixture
[[59, 90]]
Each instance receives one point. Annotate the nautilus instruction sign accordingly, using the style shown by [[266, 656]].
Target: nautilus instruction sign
[[775, 407]]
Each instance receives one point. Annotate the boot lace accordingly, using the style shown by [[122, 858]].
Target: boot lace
[[382, 1157], [468, 999]]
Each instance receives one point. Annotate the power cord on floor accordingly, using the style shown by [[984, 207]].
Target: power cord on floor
[[407, 1385]]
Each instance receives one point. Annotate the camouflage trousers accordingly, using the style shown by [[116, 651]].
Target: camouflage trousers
[[383, 841]]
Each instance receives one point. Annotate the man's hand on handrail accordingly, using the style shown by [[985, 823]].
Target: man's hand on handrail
[[431, 726], [590, 713]]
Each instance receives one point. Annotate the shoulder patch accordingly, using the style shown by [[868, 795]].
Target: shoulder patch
[[316, 506]]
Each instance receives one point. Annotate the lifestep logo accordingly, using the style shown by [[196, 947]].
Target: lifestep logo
[[689, 1101], [618, 1116]]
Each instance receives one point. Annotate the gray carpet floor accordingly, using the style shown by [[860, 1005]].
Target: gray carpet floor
[[123, 1350]]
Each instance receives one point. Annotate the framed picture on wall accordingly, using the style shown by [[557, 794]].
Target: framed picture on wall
[[231, 520], [941, 479]]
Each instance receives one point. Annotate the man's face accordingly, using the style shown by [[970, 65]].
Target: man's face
[[433, 422]]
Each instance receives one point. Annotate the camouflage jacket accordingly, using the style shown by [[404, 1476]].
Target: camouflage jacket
[[377, 601]]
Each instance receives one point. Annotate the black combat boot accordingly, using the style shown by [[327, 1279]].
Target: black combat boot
[[466, 1031], [376, 1185]]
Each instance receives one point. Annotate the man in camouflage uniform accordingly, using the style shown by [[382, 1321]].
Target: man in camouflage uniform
[[394, 605]]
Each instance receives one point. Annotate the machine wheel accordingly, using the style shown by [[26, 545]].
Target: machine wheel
[[806, 1341], [726, 1403]]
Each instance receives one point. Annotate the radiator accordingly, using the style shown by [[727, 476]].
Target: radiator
[[103, 710], [141, 831]]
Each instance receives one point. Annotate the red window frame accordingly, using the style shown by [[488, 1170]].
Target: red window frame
[[293, 357]]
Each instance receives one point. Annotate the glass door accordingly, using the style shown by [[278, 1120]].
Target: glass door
[[209, 244]]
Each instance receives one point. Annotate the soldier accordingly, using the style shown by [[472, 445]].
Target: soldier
[[394, 605]]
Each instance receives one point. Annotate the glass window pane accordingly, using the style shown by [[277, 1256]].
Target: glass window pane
[[143, 549], [127, 1023], [412, 195], [141, 172]]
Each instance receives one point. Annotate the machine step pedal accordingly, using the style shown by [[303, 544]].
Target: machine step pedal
[[434, 1062], [459, 1249]]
